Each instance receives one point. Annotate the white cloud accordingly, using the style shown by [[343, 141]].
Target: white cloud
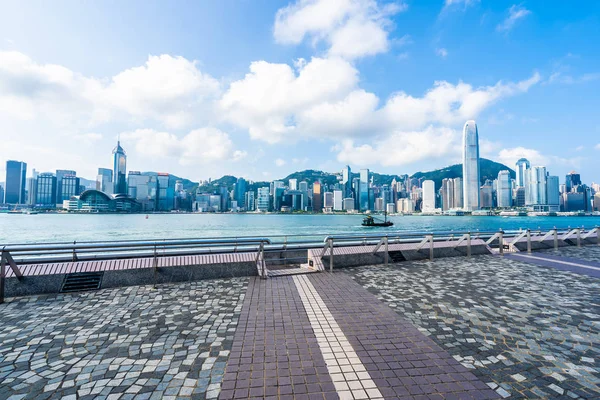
[[598, 146], [280, 162], [401, 148], [515, 13], [198, 147], [559, 77], [510, 156], [239, 155], [441, 52], [322, 99], [465, 3], [351, 28]]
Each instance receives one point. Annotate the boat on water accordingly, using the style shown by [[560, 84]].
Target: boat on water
[[370, 221]]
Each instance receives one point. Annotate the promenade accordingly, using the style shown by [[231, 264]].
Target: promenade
[[476, 328]]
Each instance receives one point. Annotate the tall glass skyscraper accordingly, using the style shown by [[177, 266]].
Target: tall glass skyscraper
[[504, 192], [119, 170], [522, 166], [14, 190], [347, 181], [471, 180], [364, 190]]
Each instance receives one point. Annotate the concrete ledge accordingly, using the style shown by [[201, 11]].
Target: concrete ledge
[[30, 285], [549, 243]]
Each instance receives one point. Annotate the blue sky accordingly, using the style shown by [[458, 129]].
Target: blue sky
[[263, 88]]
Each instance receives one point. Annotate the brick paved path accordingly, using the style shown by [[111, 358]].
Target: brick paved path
[[324, 336]]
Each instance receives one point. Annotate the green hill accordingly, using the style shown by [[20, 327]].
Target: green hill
[[488, 169]]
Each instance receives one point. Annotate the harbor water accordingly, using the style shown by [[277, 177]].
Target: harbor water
[[22, 228]]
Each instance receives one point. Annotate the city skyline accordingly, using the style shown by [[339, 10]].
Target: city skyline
[[290, 93]]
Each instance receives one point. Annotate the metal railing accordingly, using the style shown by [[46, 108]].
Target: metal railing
[[14, 254]]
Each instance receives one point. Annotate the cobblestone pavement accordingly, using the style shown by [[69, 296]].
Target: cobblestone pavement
[[588, 253], [526, 331], [125, 343]]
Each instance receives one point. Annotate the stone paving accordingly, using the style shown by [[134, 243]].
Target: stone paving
[[526, 331], [134, 342], [587, 253]]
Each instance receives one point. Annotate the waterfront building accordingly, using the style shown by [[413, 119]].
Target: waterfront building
[[293, 184], [303, 186], [166, 192], [278, 198], [96, 201], [347, 181], [240, 192], [119, 170], [504, 191], [328, 200], [15, 183], [471, 177], [46, 190], [364, 190], [104, 180], [317, 201], [448, 194], [250, 201], [338, 199], [405, 205], [379, 205], [522, 166], [596, 206], [553, 193], [571, 180], [31, 189], [390, 208], [519, 197], [263, 199], [458, 193], [215, 202], [68, 186], [428, 204], [486, 195], [1, 194], [348, 204], [386, 195], [535, 187], [142, 188], [60, 174]]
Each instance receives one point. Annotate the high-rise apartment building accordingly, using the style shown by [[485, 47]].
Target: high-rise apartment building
[[263, 200], [293, 184], [448, 194], [328, 200], [504, 190], [471, 178], [522, 166], [458, 193], [119, 170], [14, 189], [250, 201]]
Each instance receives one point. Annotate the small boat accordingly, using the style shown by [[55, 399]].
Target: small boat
[[370, 221], [146, 216]]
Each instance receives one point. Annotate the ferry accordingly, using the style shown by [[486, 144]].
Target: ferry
[[370, 221]]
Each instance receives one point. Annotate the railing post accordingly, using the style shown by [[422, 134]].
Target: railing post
[[501, 242], [262, 260], [469, 244], [74, 252], [2, 276], [431, 247], [598, 235], [330, 254], [386, 250], [528, 240], [285, 250], [578, 237], [555, 239], [155, 265]]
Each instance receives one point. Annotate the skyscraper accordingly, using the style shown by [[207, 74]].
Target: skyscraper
[[347, 181], [104, 180], [317, 201], [553, 193], [364, 190], [471, 180], [522, 166], [458, 193], [14, 190], [504, 191], [60, 174], [428, 196], [240, 189], [119, 170], [572, 179], [536, 191], [46, 190]]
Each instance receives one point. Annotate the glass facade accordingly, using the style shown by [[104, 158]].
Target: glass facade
[[46, 190], [119, 170], [471, 178], [104, 180], [69, 187], [522, 166], [504, 191], [363, 190], [14, 189]]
